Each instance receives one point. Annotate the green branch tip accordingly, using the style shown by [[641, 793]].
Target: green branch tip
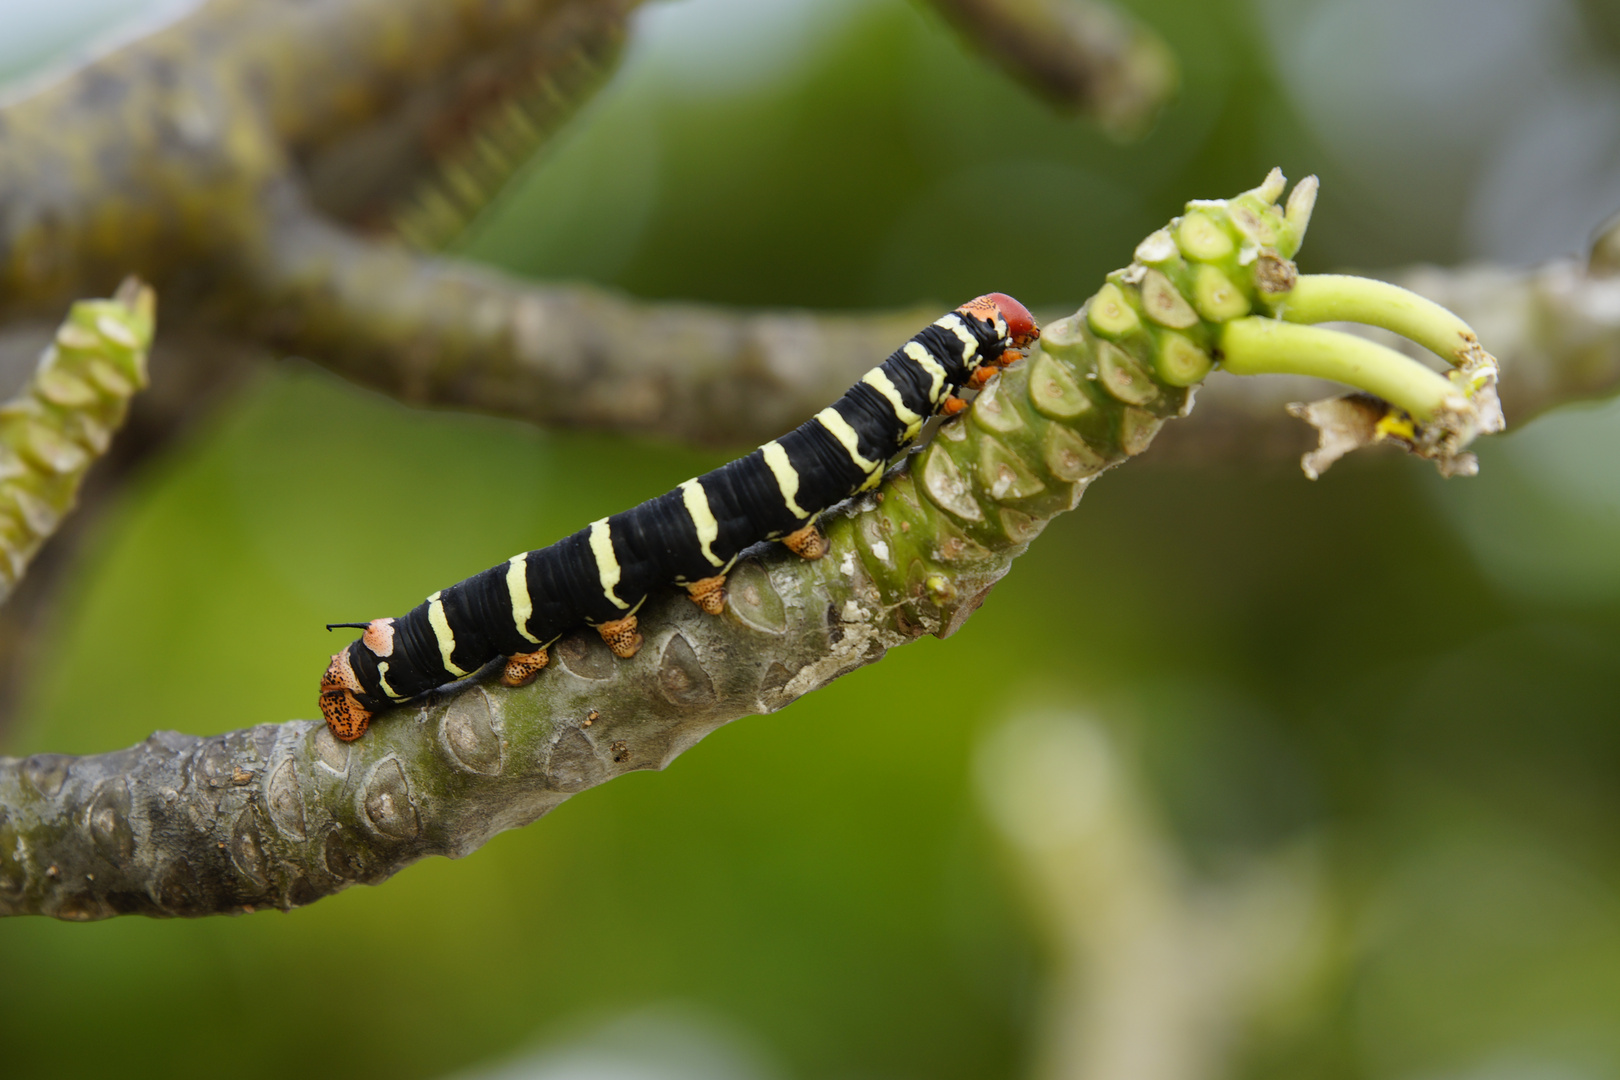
[[1193, 286], [1318, 298], [1258, 346], [1271, 188], [64, 419], [1301, 203]]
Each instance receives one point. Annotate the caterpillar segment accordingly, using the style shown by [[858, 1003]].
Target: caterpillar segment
[[688, 537]]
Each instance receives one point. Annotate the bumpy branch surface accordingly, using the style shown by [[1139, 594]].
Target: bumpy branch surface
[[64, 419], [284, 814]]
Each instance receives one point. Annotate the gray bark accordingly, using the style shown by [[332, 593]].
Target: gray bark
[[281, 815]]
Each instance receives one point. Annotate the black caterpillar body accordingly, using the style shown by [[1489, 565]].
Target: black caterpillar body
[[691, 536]]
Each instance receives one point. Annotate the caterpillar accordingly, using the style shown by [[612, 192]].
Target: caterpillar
[[689, 537]]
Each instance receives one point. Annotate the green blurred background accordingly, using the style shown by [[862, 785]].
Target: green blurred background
[[1414, 681]]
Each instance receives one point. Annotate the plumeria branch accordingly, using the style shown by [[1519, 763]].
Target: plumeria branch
[[1080, 54], [282, 815], [302, 129], [64, 419], [245, 157]]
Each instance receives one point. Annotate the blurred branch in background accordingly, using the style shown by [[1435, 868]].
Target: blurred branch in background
[[1080, 54], [244, 158], [192, 372], [445, 332], [1154, 972], [77, 380], [279, 133], [234, 152], [160, 155]]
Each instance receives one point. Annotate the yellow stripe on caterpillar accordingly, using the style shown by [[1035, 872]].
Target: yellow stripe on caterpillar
[[442, 633], [703, 519], [953, 322], [787, 477], [831, 419], [382, 680], [925, 359], [878, 380], [608, 571], [517, 587]]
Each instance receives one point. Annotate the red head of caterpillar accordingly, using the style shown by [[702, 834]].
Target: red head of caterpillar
[[1012, 324], [1020, 324]]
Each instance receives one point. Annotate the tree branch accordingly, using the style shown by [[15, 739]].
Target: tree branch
[[1158, 971], [1080, 54], [282, 815], [444, 332], [64, 419], [252, 109], [156, 158]]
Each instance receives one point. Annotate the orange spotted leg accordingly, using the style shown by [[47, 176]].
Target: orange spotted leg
[[985, 372], [709, 593], [621, 636], [342, 710], [522, 668], [807, 543]]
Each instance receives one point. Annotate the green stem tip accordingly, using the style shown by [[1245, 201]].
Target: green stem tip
[[1318, 298], [1258, 346]]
